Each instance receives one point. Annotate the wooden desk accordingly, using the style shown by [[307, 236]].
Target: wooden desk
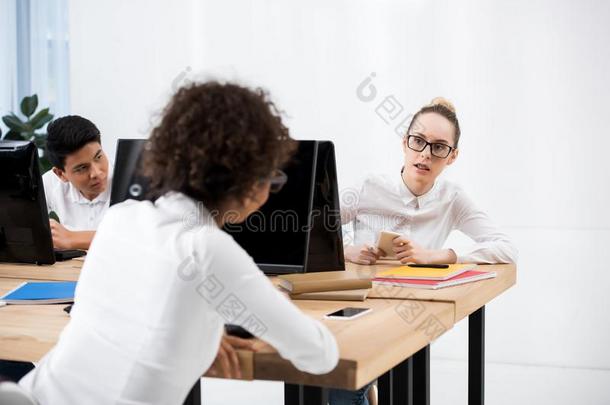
[[467, 297], [409, 381], [369, 346], [468, 300], [391, 343], [60, 271], [27, 332]]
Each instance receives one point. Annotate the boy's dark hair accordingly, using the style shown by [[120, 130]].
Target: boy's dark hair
[[68, 134], [214, 142]]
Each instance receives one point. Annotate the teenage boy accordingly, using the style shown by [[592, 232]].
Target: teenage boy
[[77, 189]]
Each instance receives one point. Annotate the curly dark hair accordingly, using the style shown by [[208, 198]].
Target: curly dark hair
[[215, 142]]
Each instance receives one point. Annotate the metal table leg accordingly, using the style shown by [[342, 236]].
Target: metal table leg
[[396, 386], [292, 394], [295, 394], [194, 397], [421, 377], [476, 357]]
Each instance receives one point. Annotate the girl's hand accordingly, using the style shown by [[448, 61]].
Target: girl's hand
[[408, 251], [226, 364], [363, 254]]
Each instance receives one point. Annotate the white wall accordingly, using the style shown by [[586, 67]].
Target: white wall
[[124, 58], [529, 80]]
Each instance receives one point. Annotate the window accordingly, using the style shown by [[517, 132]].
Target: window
[[34, 49]]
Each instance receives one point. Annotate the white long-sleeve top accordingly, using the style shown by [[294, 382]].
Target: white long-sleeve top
[[158, 284], [385, 203]]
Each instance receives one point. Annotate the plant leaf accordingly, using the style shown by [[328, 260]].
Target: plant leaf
[[41, 118], [13, 136], [14, 123], [52, 214], [45, 165], [29, 105], [39, 142]]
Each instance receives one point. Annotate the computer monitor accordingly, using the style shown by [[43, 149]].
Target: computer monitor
[[297, 230], [25, 232], [128, 183]]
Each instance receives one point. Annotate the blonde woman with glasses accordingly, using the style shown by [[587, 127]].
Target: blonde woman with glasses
[[422, 208]]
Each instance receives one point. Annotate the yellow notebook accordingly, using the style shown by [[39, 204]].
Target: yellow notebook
[[425, 273]]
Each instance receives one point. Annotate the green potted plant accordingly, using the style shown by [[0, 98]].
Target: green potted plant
[[25, 129]]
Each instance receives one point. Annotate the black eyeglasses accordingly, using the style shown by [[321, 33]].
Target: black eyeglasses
[[418, 144], [277, 181]]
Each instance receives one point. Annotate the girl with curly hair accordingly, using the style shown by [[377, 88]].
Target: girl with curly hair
[[157, 286]]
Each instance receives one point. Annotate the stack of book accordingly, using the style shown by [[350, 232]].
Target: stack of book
[[430, 277], [328, 285]]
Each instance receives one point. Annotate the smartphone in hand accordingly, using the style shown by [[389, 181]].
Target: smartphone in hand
[[384, 242]]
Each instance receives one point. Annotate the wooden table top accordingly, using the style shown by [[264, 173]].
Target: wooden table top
[[27, 332], [403, 321], [369, 346], [60, 271], [467, 297]]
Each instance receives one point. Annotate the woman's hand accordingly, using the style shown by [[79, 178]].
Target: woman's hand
[[407, 251], [363, 254], [226, 363]]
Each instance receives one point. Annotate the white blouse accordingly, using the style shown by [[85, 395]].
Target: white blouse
[[384, 203], [158, 284]]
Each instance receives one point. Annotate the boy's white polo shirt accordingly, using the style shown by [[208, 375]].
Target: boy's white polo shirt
[[75, 212]]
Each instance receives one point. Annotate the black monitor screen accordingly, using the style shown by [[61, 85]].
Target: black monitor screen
[[278, 232]]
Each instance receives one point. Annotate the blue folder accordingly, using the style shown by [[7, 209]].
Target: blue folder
[[48, 292]]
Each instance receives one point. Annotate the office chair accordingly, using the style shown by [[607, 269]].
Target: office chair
[[11, 393]]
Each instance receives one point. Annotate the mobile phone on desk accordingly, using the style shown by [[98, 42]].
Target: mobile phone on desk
[[348, 313]]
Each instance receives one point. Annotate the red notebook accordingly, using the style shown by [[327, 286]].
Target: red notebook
[[463, 278]]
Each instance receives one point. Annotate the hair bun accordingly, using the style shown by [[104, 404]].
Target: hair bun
[[442, 101]]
